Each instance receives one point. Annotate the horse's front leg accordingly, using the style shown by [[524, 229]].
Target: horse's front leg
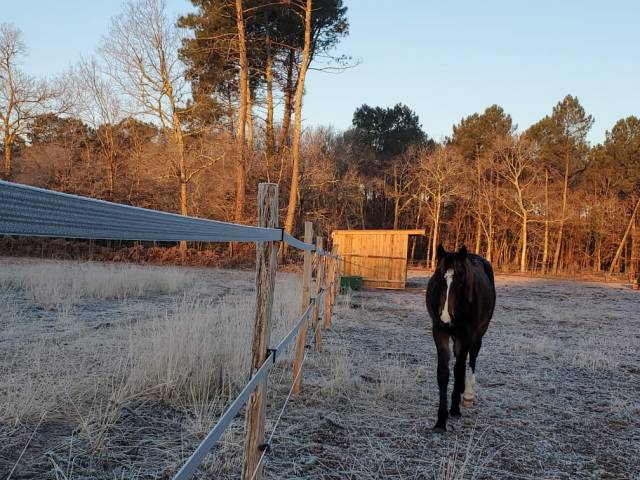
[[461, 350], [441, 340]]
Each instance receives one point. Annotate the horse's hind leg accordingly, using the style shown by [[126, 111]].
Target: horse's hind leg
[[470, 385], [461, 352]]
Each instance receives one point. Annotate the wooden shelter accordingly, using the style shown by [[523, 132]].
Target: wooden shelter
[[379, 256]]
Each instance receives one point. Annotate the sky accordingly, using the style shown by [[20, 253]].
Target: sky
[[444, 59]]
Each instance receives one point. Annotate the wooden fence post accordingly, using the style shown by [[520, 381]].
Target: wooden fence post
[[329, 279], [317, 333], [266, 264], [336, 279], [301, 340]]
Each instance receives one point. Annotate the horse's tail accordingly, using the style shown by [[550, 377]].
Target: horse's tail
[[488, 269]]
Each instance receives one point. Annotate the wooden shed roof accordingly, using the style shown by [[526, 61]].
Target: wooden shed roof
[[378, 232]]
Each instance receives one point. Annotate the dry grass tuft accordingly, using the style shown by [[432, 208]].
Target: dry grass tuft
[[202, 348], [199, 348], [341, 377], [465, 459], [395, 377], [61, 284], [112, 368]]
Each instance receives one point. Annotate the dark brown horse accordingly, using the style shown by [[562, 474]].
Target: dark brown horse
[[461, 296]]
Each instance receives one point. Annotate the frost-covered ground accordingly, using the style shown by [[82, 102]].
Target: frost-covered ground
[[559, 379], [87, 386]]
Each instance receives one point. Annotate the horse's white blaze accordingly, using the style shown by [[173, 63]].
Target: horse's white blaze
[[448, 276], [470, 387]]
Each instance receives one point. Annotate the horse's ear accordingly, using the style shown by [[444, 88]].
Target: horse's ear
[[440, 252], [462, 253]]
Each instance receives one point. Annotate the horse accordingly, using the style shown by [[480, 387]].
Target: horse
[[461, 297]]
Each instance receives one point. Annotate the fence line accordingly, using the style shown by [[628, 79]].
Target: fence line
[[32, 211], [199, 454], [284, 406]]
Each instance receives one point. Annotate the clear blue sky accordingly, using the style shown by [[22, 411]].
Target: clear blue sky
[[444, 59]]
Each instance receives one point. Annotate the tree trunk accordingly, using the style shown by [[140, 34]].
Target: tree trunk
[[516, 258], [428, 250], [556, 255], [7, 161], [490, 237], [249, 121], [288, 103], [624, 238], [270, 140], [111, 160], [569, 265], [523, 253], [183, 211], [396, 205], [413, 247], [182, 173], [479, 206], [8, 143], [633, 264], [297, 133], [478, 234], [396, 213], [111, 175], [545, 248], [434, 237], [241, 169]]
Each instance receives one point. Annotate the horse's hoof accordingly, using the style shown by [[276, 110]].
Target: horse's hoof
[[467, 402]]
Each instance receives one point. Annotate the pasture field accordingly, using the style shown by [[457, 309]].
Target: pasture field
[[117, 372]]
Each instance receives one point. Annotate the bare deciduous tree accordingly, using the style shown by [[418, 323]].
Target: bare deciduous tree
[[22, 97], [403, 179], [141, 51], [101, 108], [438, 171], [515, 161]]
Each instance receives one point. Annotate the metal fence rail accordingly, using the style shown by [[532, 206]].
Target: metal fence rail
[[32, 211], [200, 453], [27, 210], [294, 242]]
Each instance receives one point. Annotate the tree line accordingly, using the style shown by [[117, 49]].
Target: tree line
[[189, 114]]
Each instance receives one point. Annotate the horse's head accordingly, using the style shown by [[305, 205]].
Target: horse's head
[[455, 282]]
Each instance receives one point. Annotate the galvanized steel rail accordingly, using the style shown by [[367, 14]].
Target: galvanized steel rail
[[294, 242], [199, 454], [32, 211]]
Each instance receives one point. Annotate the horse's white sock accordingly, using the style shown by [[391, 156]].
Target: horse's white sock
[[470, 388]]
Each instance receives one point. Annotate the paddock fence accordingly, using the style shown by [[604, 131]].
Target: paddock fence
[[32, 211]]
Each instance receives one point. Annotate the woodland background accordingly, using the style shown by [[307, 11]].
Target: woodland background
[[189, 115]]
